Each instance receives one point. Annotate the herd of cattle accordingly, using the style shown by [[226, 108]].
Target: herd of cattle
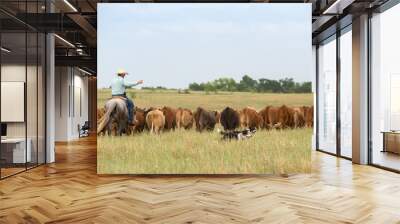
[[167, 118]]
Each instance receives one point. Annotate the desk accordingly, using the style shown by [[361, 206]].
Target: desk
[[13, 150], [391, 141]]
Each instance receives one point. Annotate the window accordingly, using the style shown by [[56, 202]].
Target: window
[[385, 89], [346, 93], [327, 96]]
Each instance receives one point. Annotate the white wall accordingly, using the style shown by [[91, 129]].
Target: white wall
[[33, 126], [80, 109], [12, 73], [61, 103], [71, 102]]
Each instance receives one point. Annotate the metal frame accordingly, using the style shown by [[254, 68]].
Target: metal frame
[[26, 88], [45, 90], [369, 97], [338, 82], [37, 92], [316, 122], [387, 5]]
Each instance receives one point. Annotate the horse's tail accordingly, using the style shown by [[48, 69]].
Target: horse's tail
[[106, 118]]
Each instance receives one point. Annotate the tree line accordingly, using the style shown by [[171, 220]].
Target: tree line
[[248, 84]]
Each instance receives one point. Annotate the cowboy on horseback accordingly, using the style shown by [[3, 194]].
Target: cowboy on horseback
[[118, 90]]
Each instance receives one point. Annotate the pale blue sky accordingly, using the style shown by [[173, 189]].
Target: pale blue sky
[[173, 45]]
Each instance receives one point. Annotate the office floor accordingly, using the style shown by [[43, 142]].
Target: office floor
[[70, 191], [8, 171]]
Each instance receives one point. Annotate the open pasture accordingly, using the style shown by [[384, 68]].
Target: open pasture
[[182, 151]]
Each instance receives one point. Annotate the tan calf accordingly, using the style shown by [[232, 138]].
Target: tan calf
[[184, 118], [155, 121]]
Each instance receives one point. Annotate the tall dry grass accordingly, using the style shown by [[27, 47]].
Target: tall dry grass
[[190, 152]]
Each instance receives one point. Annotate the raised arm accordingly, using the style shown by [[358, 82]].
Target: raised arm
[[132, 84]]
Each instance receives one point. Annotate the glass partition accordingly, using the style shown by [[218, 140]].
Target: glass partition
[[22, 77], [327, 96], [14, 153], [32, 86]]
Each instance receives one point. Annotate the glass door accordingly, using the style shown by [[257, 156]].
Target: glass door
[[327, 96]]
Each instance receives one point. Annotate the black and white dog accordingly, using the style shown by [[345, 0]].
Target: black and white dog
[[238, 135]]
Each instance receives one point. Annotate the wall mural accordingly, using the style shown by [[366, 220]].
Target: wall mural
[[204, 89]]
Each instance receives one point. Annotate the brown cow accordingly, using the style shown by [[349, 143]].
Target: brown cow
[[270, 116], [264, 114], [309, 116], [298, 117], [205, 120], [170, 118], [230, 119], [155, 121], [184, 118], [285, 117], [140, 120], [249, 118]]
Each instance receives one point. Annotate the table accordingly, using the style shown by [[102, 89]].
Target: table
[[13, 150], [391, 141]]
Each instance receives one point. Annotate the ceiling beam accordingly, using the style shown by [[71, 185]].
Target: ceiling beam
[[80, 61], [338, 6], [89, 30]]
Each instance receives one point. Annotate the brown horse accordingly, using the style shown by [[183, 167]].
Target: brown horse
[[116, 111]]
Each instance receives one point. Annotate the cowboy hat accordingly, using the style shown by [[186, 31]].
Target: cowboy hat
[[122, 71]]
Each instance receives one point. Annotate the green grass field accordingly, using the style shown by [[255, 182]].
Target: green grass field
[[190, 152]]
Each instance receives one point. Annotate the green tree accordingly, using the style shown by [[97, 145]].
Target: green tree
[[267, 85], [288, 85], [247, 84], [305, 87], [209, 87], [196, 87], [225, 84]]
